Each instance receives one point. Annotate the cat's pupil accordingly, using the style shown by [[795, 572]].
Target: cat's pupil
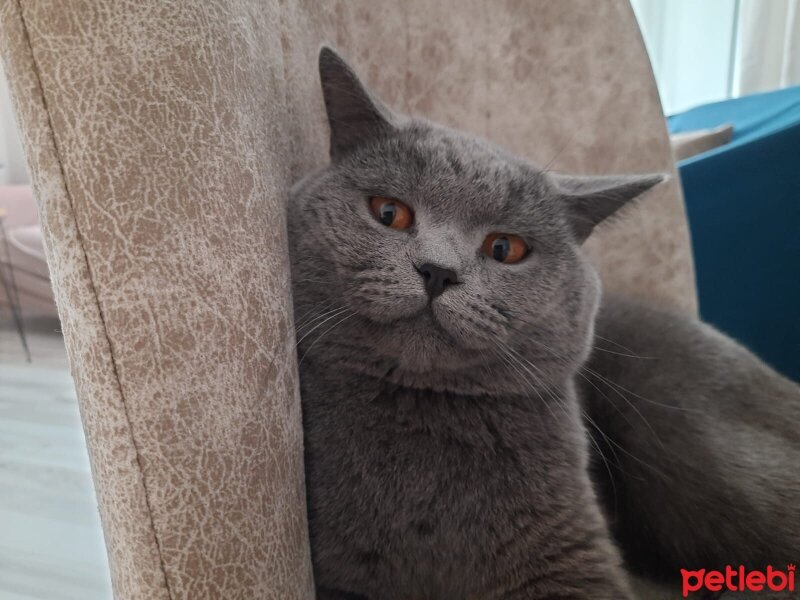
[[387, 213], [500, 248]]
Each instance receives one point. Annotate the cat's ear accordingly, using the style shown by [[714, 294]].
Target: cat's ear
[[354, 114], [591, 199]]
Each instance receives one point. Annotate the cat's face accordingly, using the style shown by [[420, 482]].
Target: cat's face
[[439, 253]]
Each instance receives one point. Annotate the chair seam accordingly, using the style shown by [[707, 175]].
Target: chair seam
[[115, 370]]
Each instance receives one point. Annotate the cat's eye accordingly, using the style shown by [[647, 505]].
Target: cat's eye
[[391, 213], [505, 247]]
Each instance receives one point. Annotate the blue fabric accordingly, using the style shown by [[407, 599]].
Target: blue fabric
[[743, 204]]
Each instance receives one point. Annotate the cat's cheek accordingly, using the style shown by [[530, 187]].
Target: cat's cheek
[[468, 327]]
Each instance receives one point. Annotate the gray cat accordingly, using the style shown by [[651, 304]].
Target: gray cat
[[445, 314]]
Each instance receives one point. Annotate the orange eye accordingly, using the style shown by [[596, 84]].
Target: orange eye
[[391, 213], [505, 247]]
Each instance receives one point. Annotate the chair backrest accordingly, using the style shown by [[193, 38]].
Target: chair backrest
[[162, 138]]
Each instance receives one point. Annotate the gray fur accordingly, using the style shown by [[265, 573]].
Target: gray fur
[[701, 440], [591, 200]]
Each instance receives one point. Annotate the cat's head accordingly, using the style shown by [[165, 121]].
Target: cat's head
[[439, 258]]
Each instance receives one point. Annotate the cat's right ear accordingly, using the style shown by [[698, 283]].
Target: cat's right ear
[[591, 199], [354, 114]]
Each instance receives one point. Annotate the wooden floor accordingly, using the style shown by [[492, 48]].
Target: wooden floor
[[51, 544]]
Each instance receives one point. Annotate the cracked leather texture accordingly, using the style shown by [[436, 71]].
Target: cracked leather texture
[[162, 137]]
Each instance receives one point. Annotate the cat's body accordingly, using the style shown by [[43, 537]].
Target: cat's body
[[702, 443], [447, 455], [417, 493]]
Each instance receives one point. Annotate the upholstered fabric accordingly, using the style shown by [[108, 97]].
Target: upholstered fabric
[[155, 137], [162, 136]]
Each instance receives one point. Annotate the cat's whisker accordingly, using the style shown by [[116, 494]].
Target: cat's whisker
[[591, 439], [529, 384], [635, 409], [546, 168], [617, 344], [302, 320], [606, 398], [330, 315], [605, 436], [564, 360], [617, 386], [598, 348], [315, 317], [560, 403], [533, 366], [309, 280], [538, 382], [323, 334]]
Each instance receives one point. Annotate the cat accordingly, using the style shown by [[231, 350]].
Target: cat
[[445, 314], [446, 455]]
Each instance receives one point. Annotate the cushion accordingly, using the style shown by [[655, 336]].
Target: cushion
[[742, 200], [691, 143]]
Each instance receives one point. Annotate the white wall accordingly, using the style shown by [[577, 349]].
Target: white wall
[[707, 50], [12, 160], [692, 48]]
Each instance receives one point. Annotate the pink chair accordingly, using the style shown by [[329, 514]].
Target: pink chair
[[26, 253]]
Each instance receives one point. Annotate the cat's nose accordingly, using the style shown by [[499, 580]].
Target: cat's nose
[[436, 278]]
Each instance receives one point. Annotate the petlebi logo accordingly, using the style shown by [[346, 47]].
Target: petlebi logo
[[739, 580]]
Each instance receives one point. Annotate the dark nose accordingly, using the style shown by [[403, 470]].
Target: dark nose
[[436, 278]]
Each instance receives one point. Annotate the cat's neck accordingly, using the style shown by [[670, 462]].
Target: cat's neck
[[491, 378]]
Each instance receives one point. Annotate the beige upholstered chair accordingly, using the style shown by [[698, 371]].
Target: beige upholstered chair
[[162, 136]]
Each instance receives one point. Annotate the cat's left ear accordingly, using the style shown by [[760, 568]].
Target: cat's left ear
[[592, 199], [354, 114]]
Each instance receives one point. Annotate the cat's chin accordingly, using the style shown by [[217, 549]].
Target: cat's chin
[[418, 353], [426, 334]]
